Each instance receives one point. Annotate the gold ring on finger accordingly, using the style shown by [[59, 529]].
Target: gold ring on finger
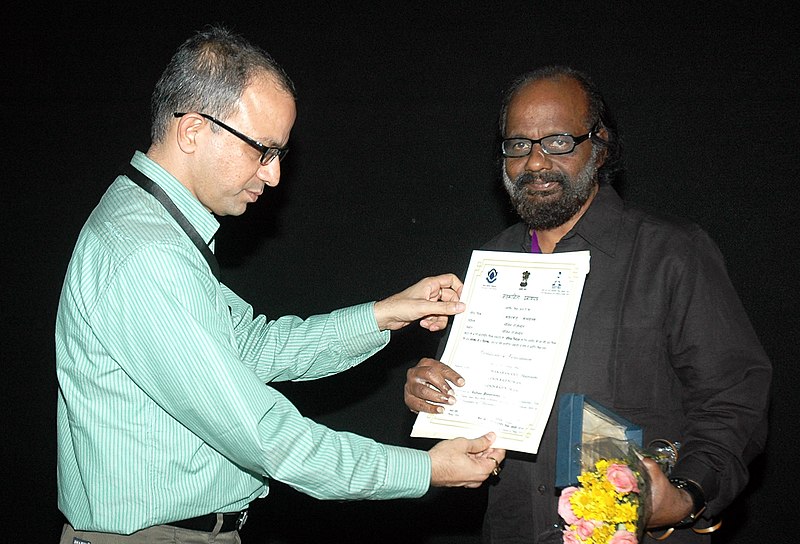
[[496, 470]]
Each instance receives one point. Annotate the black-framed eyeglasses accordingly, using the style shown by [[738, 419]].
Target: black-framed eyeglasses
[[267, 153], [554, 144]]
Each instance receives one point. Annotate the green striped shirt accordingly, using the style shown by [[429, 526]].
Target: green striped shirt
[[163, 411]]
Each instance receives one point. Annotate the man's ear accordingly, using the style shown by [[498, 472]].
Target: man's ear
[[601, 134], [187, 131]]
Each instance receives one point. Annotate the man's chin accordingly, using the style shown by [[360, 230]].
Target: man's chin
[[543, 215]]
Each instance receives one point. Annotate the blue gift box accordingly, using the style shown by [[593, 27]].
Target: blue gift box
[[581, 419]]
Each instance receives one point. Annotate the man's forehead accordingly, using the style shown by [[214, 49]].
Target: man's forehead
[[549, 102]]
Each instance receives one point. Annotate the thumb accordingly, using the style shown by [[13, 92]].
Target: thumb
[[443, 307], [482, 443]]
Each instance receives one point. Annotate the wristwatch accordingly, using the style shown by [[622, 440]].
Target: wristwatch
[[698, 499]]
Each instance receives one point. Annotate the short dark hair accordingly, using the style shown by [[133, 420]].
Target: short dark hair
[[598, 112], [208, 73]]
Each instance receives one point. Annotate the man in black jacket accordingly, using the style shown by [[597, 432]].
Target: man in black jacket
[[660, 337]]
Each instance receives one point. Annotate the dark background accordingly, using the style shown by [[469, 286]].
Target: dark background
[[390, 179]]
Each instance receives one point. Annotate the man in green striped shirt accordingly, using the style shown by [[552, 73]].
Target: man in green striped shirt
[[166, 429]]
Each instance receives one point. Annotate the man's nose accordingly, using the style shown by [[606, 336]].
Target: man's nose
[[538, 159], [270, 173]]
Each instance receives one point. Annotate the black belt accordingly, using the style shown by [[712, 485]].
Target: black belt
[[230, 522]]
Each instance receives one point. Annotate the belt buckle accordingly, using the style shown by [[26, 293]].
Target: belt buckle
[[241, 520]]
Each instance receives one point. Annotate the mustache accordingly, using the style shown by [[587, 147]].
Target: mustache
[[545, 177]]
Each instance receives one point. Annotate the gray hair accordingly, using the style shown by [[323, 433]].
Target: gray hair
[[208, 74]]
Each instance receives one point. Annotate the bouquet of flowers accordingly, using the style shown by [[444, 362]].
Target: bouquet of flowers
[[611, 504]]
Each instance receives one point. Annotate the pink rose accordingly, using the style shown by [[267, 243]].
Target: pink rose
[[584, 528], [564, 507], [623, 537], [622, 478], [570, 537]]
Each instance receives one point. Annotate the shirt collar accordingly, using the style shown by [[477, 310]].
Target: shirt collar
[[600, 224], [201, 219]]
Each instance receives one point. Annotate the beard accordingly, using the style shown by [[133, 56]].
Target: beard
[[539, 211]]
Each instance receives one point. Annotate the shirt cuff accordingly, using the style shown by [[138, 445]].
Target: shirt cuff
[[694, 469], [358, 329], [408, 473]]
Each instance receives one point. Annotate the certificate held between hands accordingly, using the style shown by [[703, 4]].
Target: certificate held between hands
[[505, 352]]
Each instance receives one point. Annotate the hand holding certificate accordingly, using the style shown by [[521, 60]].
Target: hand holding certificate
[[510, 346]]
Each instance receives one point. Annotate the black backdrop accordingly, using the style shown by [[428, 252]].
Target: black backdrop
[[391, 178]]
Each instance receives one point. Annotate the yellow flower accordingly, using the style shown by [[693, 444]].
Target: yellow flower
[[598, 501]]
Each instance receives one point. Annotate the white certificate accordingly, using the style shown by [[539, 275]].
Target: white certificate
[[510, 346]]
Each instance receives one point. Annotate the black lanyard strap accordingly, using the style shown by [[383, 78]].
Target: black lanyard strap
[[154, 189]]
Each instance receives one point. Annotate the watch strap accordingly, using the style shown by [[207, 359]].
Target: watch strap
[[698, 500]]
